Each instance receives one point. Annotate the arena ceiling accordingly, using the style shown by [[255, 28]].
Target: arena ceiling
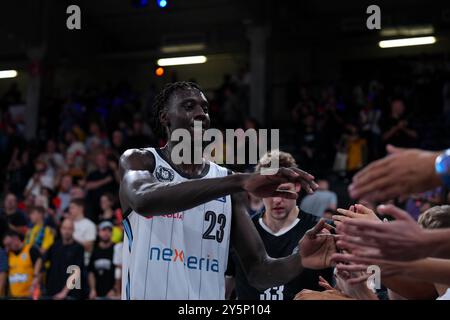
[[117, 28]]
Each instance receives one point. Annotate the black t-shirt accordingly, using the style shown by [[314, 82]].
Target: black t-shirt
[[100, 175], [400, 138], [3, 228], [16, 219], [61, 257], [101, 264], [93, 196], [277, 247]]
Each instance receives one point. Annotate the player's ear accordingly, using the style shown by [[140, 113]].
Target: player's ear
[[163, 118], [298, 187]]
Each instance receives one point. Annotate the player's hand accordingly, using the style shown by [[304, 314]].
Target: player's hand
[[401, 173], [264, 186], [316, 251]]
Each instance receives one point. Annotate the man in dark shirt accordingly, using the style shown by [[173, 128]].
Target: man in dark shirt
[[101, 267], [14, 218], [281, 227], [64, 253], [100, 181], [396, 129]]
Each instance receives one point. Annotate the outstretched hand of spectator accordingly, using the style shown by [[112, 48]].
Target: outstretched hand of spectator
[[399, 240], [358, 211], [400, 173]]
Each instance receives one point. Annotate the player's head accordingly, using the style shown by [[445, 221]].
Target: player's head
[[177, 106], [67, 229], [279, 208], [13, 241]]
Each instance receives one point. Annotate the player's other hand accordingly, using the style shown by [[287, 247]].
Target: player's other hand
[[316, 250], [266, 185]]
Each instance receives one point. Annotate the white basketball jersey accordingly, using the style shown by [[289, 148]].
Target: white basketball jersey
[[177, 256]]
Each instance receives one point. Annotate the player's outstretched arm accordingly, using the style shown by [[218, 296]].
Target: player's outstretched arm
[[261, 270], [141, 192]]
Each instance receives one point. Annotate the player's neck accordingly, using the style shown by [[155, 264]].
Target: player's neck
[[276, 225], [189, 169]]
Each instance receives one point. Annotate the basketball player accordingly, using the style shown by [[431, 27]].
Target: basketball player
[[180, 218], [281, 225]]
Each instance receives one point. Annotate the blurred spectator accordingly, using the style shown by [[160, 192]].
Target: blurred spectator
[[53, 159], [64, 194], [117, 261], [19, 170], [85, 230], [97, 138], [106, 205], [24, 265], [138, 137], [98, 182], [308, 139], [356, 150], [63, 253], [3, 227], [77, 192], [397, 129], [40, 235], [321, 200], [109, 214], [75, 151], [15, 218], [232, 113], [101, 267], [3, 271], [118, 144], [369, 118], [42, 178]]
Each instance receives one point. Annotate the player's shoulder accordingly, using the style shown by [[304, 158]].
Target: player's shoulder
[[226, 170], [137, 159]]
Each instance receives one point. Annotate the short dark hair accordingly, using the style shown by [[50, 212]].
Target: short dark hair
[[78, 202], [13, 234], [39, 209], [436, 217], [161, 102]]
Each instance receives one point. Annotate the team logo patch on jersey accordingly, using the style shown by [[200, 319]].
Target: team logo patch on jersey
[[223, 199], [164, 174]]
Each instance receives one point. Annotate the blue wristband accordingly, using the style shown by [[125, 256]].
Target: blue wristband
[[442, 167]]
